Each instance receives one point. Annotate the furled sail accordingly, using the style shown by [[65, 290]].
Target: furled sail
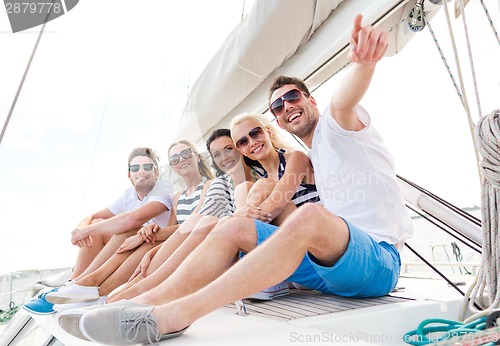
[[304, 38]]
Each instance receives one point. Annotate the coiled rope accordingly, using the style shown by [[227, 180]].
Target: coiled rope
[[486, 289], [437, 330]]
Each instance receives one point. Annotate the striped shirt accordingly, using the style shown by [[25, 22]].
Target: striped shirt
[[305, 192], [219, 199], [187, 204]]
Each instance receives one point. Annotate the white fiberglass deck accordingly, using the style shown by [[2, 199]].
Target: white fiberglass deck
[[303, 317]]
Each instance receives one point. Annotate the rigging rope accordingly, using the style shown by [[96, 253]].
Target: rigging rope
[[20, 87], [486, 288], [491, 21], [457, 60], [457, 89], [462, 95], [471, 61]]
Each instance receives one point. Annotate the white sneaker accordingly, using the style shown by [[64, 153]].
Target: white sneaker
[[64, 307], [272, 292], [73, 293]]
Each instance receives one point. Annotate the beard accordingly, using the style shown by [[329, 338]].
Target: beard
[[144, 187], [305, 128], [307, 125]]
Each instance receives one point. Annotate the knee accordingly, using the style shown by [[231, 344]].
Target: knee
[[260, 190], [309, 211], [243, 188], [122, 236], [226, 226], [205, 225], [190, 224], [233, 228], [264, 184], [308, 220]]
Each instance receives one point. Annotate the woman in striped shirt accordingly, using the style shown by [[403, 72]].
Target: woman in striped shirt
[[218, 203], [192, 168], [185, 161]]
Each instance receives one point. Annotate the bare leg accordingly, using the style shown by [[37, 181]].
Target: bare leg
[[274, 261], [195, 238], [209, 260], [241, 193], [169, 247], [86, 255], [166, 250], [105, 253], [260, 190], [116, 270], [123, 273]]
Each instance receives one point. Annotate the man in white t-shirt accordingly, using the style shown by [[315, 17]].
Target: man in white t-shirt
[[346, 247], [147, 201]]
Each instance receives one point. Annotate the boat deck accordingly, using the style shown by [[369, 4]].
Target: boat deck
[[308, 303], [303, 316]]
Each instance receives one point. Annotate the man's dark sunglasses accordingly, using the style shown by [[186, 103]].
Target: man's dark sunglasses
[[254, 133], [292, 96], [185, 154], [135, 168]]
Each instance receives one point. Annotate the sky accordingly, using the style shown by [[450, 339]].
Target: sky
[[110, 76]]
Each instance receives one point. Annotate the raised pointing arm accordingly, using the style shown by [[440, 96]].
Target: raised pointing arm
[[368, 46]]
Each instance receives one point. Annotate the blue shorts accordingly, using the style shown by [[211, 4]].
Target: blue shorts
[[367, 268]]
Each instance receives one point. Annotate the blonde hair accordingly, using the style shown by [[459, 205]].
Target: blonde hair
[[202, 164], [277, 139]]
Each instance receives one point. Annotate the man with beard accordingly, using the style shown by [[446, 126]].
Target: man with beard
[[100, 234], [135, 208]]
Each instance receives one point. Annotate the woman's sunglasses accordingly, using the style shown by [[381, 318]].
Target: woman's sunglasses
[[292, 96], [135, 168], [254, 133], [185, 154]]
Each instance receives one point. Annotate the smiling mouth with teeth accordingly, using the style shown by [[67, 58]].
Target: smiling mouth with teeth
[[256, 149], [293, 117]]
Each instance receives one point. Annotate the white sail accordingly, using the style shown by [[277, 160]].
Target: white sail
[[312, 47]]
